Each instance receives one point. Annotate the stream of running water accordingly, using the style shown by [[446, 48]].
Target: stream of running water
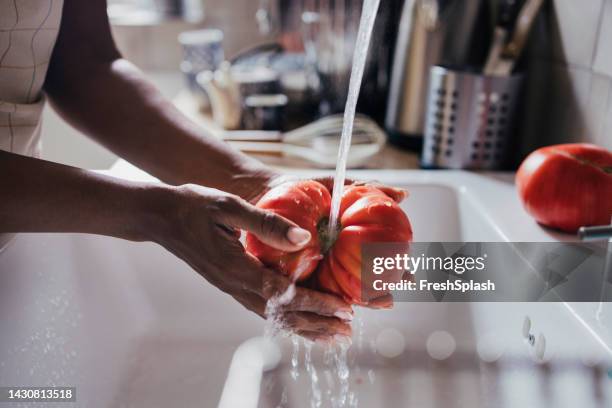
[[336, 356], [366, 26]]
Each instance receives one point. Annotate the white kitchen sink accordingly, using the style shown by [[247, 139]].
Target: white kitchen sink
[[131, 326]]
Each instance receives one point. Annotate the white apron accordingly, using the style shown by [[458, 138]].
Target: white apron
[[28, 30]]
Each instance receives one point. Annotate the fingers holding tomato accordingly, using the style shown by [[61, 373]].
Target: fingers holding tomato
[[305, 203], [367, 215], [396, 194]]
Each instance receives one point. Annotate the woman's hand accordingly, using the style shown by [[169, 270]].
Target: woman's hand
[[201, 226], [397, 194]]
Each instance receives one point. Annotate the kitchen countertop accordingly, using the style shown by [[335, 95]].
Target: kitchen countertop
[[390, 157]]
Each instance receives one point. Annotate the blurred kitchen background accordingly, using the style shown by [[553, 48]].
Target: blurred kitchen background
[[105, 314], [297, 53]]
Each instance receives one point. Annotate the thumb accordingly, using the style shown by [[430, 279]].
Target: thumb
[[270, 228]]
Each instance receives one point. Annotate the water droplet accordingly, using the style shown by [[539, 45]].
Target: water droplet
[[371, 376], [295, 357], [284, 399]]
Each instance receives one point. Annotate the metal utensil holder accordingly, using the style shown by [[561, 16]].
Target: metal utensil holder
[[469, 119]]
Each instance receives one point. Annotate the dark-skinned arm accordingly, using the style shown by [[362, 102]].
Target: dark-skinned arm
[[195, 223], [109, 99]]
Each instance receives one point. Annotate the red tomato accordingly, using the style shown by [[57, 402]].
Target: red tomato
[[367, 215], [306, 203], [567, 186]]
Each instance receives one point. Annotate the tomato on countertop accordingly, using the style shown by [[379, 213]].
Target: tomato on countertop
[[567, 186]]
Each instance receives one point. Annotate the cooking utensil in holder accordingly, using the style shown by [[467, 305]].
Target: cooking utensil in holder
[[469, 119]]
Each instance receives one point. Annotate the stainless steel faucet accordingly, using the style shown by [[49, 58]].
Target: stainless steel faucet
[[598, 233]]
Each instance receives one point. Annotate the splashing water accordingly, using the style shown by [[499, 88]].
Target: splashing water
[[315, 392], [360, 330], [342, 372], [274, 305], [284, 399], [295, 358], [366, 25], [273, 313]]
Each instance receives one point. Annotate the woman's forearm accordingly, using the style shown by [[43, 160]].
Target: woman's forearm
[[113, 103], [109, 99], [40, 196]]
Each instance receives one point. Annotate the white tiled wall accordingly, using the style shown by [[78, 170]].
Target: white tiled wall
[[569, 84], [574, 30], [603, 55]]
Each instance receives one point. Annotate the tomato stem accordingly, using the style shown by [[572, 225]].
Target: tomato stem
[[325, 239], [587, 162]]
